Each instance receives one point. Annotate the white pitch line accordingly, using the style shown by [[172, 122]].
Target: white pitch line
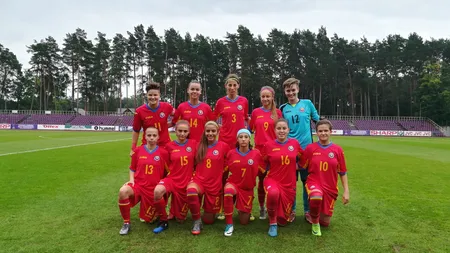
[[68, 146]]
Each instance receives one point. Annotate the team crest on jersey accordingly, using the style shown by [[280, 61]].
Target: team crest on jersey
[[161, 115], [200, 112], [239, 107], [331, 155], [157, 158], [216, 152], [188, 149], [291, 148], [250, 161], [302, 109]]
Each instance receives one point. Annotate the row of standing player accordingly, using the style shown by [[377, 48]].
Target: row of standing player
[[233, 110]]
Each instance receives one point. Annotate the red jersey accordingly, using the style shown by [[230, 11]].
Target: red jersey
[[196, 115], [282, 159], [146, 117], [148, 166], [324, 163], [210, 171], [234, 113], [182, 158], [263, 125], [244, 168]]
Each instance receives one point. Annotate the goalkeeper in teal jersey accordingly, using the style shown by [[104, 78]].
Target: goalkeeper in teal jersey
[[299, 113]]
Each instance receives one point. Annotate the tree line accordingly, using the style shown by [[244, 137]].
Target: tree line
[[393, 76]]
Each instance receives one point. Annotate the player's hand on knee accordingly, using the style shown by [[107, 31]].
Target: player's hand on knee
[[129, 183]]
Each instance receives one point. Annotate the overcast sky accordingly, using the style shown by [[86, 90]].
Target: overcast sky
[[22, 21]]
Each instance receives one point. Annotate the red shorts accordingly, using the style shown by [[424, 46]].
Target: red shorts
[[286, 199], [147, 209], [244, 199], [328, 199], [212, 201], [178, 206]]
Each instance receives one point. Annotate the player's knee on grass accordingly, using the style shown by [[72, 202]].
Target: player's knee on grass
[[281, 221], [325, 220], [159, 192], [208, 218], [244, 218], [125, 192]]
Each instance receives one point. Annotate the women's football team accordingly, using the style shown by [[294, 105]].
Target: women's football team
[[214, 166]]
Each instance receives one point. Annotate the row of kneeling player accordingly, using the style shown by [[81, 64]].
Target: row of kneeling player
[[192, 172]]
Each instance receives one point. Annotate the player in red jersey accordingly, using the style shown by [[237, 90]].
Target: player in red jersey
[[148, 164], [262, 123], [154, 114], [324, 161], [243, 163], [233, 111], [195, 112], [182, 154], [280, 182], [207, 180]]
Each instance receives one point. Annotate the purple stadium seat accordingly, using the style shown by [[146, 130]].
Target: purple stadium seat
[[377, 125], [56, 119], [125, 121], [11, 118], [417, 125], [337, 125], [95, 120]]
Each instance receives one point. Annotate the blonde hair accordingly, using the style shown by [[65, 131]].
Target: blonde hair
[[203, 145], [182, 122], [273, 107], [290, 81]]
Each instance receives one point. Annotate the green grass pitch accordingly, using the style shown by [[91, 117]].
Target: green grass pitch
[[63, 198]]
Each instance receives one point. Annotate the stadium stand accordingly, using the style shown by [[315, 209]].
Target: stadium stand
[[114, 119]]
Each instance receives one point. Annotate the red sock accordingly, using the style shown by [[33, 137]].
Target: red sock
[[315, 201], [124, 206], [194, 203], [273, 197], [228, 205], [161, 209]]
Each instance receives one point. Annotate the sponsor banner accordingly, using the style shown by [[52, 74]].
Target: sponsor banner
[[50, 127], [104, 128], [78, 128], [357, 132], [5, 126], [24, 126], [385, 133], [334, 132], [400, 133], [418, 133], [124, 128]]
